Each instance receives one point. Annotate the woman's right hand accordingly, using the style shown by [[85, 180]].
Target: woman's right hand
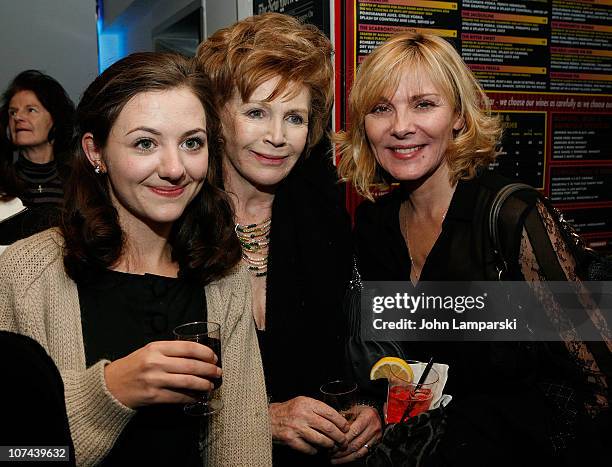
[[307, 425], [162, 372]]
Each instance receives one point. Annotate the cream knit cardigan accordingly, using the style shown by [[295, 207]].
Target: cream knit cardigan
[[39, 300]]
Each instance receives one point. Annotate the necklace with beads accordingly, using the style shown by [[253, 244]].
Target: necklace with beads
[[255, 240]]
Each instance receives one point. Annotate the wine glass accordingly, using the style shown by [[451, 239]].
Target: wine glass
[[208, 334], [340, 395]]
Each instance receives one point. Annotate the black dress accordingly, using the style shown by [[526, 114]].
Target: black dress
[[499, 411], [309, 267], [121, 313]]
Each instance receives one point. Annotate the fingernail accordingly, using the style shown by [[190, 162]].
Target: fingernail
[[219, 372]]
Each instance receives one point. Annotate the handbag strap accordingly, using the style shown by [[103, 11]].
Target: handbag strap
[[496, 205], [576, 244]]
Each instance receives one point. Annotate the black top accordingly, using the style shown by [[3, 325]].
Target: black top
[[42, 194], [43, 184], [309, 267], [121, 313], [462, 252], [498, 404]]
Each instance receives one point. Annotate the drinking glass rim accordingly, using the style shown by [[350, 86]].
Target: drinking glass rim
[[414, 382], [184, 325], [352, 384]]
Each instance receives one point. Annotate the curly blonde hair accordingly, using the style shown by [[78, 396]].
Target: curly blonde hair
[[425, 55], [250, 52]]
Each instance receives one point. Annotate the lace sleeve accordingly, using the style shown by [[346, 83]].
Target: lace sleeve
[[530, 268], [530, 261]]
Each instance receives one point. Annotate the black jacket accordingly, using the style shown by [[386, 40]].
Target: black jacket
[[309, 266]]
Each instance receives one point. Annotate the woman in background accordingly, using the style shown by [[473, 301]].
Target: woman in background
[[145, 242], [273, 79], [419, 117], [37, 117]]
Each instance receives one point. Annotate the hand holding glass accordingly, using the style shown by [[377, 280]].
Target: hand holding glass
[[340, 395], [209, 334]]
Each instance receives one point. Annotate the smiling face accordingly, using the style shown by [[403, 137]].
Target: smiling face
[[264, 139], [29, 121], [156, 156], [410, 133]]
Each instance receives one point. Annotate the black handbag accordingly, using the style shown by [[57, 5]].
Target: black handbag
[[411, 443], [591, 266]]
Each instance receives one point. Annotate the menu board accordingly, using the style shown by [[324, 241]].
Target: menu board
[[308, 11], [523, 152], [547, 69]]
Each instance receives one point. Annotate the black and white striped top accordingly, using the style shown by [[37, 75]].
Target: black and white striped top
[[42, 182]]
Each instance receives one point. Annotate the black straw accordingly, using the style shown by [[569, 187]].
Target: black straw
[[420, 383]]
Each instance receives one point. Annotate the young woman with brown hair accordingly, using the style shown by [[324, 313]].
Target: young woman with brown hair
[[146, 244]]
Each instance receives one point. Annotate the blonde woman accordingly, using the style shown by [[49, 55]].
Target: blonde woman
[[419, 117]]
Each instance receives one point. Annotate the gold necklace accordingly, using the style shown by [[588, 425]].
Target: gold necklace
[[415, 271], [255, 240]]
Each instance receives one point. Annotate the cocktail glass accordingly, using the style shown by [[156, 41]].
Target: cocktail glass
[[403, 394]]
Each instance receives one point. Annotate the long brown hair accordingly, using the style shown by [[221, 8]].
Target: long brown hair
[[202, 239]]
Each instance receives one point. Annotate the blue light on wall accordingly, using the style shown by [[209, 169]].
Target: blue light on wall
[[111, 43]]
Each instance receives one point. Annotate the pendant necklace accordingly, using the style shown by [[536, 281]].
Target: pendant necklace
[[415, 272]]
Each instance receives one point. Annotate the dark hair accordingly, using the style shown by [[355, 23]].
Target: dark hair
[[202, 239], [54, 99]]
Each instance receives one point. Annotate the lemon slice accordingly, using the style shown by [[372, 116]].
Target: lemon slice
[[382, 369]]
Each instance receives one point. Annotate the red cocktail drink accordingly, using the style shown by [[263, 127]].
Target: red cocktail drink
[[408, 394], [400, 397]]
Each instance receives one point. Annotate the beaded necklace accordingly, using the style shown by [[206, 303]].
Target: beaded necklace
[[254, 240]]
